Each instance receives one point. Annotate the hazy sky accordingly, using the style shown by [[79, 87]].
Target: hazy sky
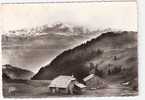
[[118, 15]]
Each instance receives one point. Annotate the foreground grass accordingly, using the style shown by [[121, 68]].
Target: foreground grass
[[39, 88]]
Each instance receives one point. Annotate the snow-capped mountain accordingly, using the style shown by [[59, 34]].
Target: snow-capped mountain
[[55, 29]]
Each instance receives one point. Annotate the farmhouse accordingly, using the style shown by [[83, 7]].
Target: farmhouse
[[66, 85], [94, 82]]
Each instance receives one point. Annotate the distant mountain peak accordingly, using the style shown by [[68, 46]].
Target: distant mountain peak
[[58, 28], [15, 72]]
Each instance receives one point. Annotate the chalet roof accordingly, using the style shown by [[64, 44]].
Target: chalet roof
[[61, 81], [80, 85], [88, 77]]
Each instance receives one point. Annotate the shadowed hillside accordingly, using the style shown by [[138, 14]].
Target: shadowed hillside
[[116, 50], [11, 72]]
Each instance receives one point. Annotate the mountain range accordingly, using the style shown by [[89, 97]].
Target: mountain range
[[57, 28], [56, 50], [11, 72], [35, 47], [111, 52]]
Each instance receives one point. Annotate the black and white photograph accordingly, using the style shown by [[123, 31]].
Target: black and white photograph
[[75, 49]]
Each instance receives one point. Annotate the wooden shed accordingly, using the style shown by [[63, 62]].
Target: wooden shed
[[94, 82], [66, 85]]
